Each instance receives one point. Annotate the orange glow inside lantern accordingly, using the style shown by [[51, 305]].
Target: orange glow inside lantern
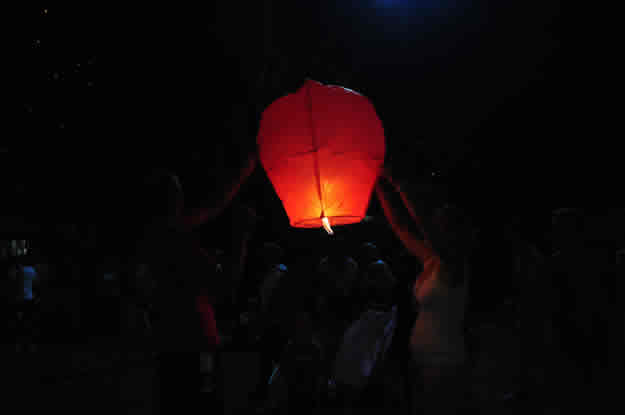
[[322, 148]]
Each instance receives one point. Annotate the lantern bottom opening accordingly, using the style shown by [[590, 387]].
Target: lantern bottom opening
[[334, 221]]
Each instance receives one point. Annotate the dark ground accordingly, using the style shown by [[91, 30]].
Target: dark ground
[[104, 375]]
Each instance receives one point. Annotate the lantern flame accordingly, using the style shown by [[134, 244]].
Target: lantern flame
[[326, 225]]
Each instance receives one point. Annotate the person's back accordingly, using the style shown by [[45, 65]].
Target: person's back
[[340, 274], [387, 386], [301, 363], [438, 332]]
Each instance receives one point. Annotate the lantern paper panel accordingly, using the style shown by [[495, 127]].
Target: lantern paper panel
[[322, 148]]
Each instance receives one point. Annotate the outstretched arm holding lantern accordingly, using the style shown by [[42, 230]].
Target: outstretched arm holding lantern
[[197, 216], [440, 249], [419, 247], [414, 211]]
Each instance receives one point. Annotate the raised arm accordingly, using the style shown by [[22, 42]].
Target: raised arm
[[413, 211], [441, 249], [417, 246], [197, 216]]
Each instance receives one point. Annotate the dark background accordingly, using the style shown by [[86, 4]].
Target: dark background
[[476, 96], [471, 94]]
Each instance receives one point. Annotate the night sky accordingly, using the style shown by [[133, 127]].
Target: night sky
[[469, 94]]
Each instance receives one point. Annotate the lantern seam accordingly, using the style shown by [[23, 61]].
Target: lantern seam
[[315, 153]]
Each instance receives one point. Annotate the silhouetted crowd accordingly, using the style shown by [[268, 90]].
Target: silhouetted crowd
[[347, 327]]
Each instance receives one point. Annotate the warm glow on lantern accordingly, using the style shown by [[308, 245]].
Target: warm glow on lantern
[[322, 148]]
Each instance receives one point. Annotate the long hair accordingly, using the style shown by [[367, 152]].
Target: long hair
[[453, 234]]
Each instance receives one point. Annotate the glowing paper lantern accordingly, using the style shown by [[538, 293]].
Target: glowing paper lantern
[[322, 148]]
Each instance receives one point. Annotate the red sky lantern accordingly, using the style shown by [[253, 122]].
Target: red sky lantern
[[322, 148]]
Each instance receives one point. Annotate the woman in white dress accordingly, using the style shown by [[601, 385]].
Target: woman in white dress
[[443, 243]]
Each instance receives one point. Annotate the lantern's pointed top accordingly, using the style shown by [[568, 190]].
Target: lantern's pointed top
[[309, 83]]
